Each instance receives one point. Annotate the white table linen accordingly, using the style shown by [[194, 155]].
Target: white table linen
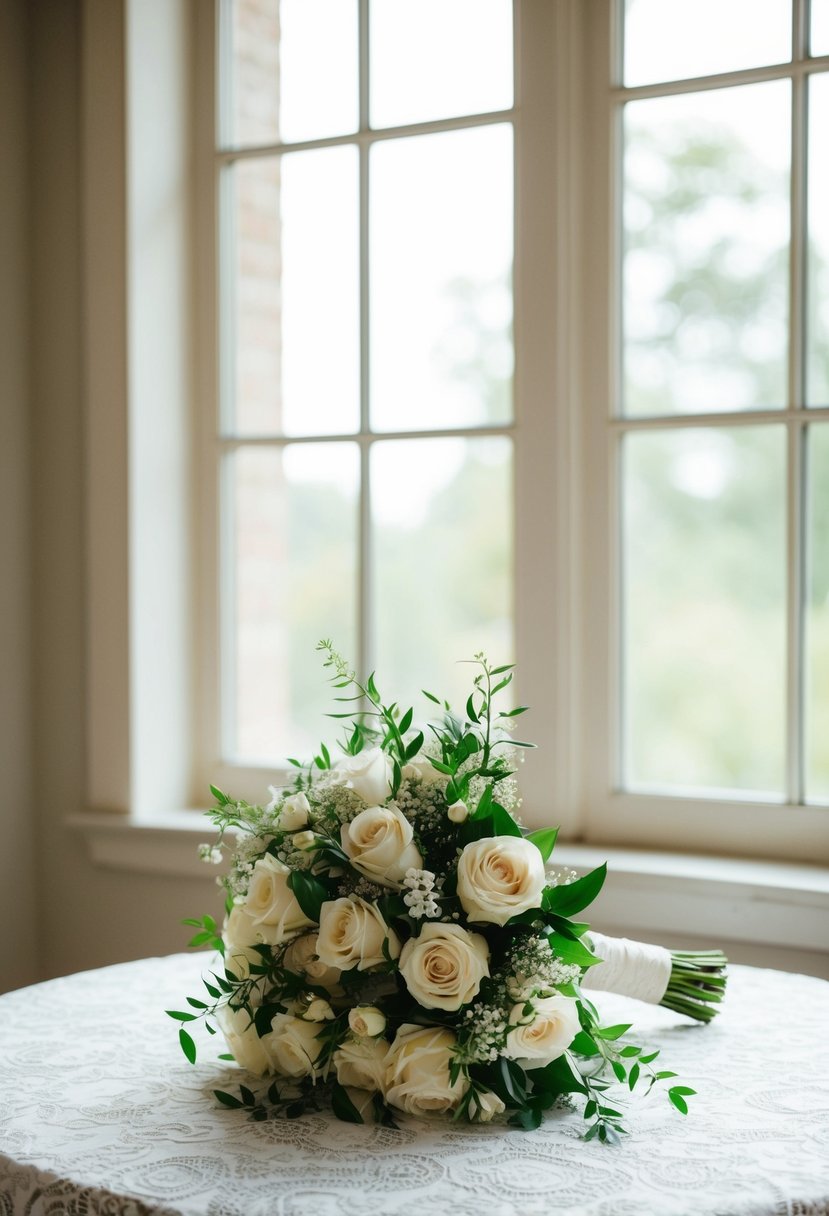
[[101, 1115]]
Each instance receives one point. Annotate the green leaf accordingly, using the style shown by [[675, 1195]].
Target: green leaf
[[613, 1032], [179, 1016], [227, 1099], [430, 696], [678, 1101], [247, 1097], [483, 809], [544, 840], [575, 896], [570, 951], [187, 1045], [584, 1045], [559, 1077], [415, 745], [343, 1107], [221, 798], [503, 823], [405, 721], [634, 1076], [310, 893], [191, 1000], [213, 991], [470, 711], [618, 1069], [682, 1089]]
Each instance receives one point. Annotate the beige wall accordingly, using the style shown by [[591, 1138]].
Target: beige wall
[[17, 958], [86, 916]]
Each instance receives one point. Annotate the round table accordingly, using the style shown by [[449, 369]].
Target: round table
[[101, 1115]]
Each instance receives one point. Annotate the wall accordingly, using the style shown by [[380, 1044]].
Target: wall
[[18, 961], [89, 916]]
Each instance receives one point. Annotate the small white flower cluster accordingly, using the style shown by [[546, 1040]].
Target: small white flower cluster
[[535, 971], [561, 877], [362, 888], [336, 802], [211, 854], [420, 897], [247, 851], [484, 1033]]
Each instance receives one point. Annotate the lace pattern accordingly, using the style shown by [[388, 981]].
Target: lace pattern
[[101, 1115]]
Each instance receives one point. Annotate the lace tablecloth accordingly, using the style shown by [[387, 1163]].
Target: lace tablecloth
[[101, 1115]]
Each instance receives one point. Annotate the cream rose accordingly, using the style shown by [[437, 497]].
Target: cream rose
[[417, 1071], [366, 1021], [499, 877], [541, 1037], [294, 813], [243, 1042], [292, 1046], [270, 902], [352, 933], [361, 1062], [444, 966], [379, 844], [420, 768], [319, 1011], [369, 774], [240, 935], [301, 958]]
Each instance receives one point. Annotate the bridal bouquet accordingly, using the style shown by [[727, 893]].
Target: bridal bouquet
[[394, 940]]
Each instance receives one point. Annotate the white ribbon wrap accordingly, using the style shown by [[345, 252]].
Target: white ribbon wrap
[[629, 968]]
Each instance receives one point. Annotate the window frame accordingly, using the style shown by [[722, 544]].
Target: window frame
[[787, 828], [565, 483]]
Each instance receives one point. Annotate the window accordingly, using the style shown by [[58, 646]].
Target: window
[[640, 509], [714, 435]]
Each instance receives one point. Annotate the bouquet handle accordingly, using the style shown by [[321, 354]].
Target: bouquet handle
[[691, 982]]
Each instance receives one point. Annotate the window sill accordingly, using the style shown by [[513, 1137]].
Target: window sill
[[669, 895]]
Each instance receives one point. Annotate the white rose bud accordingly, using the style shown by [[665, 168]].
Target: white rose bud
[[444, 966], [243, 1042], [319, 1011], [545, 1035], [352, 933], [417, 1071], [301, 958], [367, 1021], [303, 840], [293, 1047], [379, 843], [361, 1062], [458, 812], [500, 877], [369, 774], [271, 904], [294, 813], [486, 1104]]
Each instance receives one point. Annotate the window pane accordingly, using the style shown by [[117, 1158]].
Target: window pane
[[706, 223], [677, 39], [292, 71], [817, 620], [820, 27], [294, 561], [704, 610], [442, 533], [295, 285], [441, 265], [439, 58], [818, 269]]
